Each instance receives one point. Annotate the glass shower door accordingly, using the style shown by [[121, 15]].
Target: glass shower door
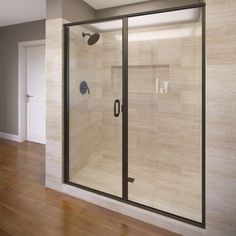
[[165, 112], [134, 110], [95, 96]]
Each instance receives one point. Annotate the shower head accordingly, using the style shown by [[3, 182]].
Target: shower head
[[93, 38]]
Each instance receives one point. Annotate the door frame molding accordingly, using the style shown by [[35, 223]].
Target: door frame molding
[[22, 86]]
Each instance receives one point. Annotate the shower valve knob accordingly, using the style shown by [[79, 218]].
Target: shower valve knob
[[84, 88]]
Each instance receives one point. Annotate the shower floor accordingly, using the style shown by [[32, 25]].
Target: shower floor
[[156, 185]]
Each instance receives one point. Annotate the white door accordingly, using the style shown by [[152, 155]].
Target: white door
[[36, 104]]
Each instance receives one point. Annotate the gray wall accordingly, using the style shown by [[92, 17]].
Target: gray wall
[[76, 10], [9, 38], [2, 86], [53, 9]]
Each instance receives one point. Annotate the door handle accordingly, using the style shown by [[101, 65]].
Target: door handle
[[117, 108], [28, 97]]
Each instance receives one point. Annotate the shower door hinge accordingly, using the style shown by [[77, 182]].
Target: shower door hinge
[[130, 179]]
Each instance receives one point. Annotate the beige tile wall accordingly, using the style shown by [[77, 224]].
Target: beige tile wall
[[164, 130], [91, 127], [54, 98], [85, 119], [221, 117]]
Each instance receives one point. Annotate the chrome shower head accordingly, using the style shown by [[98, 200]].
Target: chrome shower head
[[93, 38]]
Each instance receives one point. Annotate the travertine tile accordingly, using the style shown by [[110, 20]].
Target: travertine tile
[[164, 130]]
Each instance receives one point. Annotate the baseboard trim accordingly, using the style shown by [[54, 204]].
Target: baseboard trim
[[11, 137]]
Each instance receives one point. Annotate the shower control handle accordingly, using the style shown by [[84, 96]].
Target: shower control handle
[[117, 108]]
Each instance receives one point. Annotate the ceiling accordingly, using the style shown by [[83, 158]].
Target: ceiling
[[20, 11], [101, 4]]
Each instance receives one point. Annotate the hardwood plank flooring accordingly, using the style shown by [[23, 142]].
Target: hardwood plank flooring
[[27, 208]]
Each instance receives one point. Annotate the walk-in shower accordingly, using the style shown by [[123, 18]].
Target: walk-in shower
[[135, 110]]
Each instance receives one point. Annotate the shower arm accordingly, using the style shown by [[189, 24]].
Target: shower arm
[[84, 34]]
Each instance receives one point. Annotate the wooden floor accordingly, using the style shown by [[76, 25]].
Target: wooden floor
[[27, 208]]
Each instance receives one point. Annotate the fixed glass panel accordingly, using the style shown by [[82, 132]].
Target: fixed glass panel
[[95, 125], [165, 112]]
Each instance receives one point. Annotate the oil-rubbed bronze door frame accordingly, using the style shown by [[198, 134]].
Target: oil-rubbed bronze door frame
[[124, 109]]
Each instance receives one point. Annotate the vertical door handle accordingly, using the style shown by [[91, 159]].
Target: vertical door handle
[[117, 108]]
